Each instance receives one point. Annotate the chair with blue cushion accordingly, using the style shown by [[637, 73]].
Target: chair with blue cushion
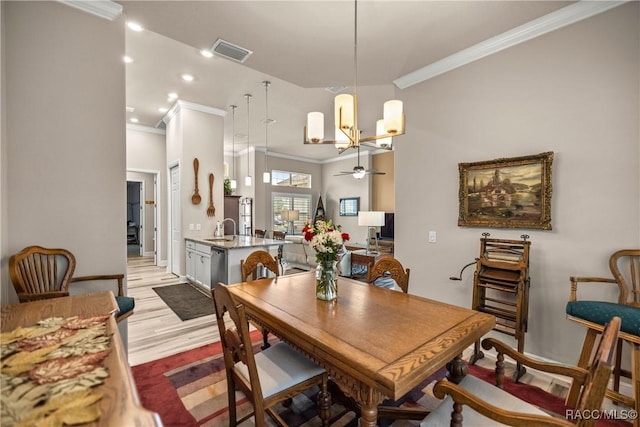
[[594, 314], [40, 273]]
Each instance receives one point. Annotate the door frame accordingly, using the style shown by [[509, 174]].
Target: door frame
[[173, 253], [157, 204], [141, 222]]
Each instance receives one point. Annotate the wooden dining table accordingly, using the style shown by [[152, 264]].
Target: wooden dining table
[[375, 343], [119, 405]]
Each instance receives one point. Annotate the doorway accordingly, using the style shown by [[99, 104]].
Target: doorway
[[143, 234], [135, 218]]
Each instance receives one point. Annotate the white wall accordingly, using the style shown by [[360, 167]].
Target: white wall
[[65, 135], [4, 245], [196, 134], [575, 92], [337, 187], [262, 203], [146, 152]]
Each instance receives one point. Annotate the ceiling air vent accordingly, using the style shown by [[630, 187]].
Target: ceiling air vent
[[230, 51], [335, 89]]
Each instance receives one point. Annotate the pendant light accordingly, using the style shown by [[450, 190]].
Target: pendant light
[[266, 176], [247, 179], [347, 132], [234, 183]]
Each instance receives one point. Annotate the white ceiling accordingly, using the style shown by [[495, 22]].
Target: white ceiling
[[302, 47]]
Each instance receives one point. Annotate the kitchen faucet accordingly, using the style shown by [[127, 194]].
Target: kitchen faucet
[[234, 225]]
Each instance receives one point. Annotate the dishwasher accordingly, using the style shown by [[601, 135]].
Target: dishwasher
[[218, 267]]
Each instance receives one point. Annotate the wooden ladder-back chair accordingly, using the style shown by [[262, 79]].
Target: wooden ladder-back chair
[[395, 271], [260, 233], [625, 268], [249, 266], [279, 235], [477, 403], [249, 269], [268, 377], [41, 273]]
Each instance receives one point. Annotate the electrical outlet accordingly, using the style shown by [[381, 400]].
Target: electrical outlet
[[191, 227], [198, 227], [433, 237]]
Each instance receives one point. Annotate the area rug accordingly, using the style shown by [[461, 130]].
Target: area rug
[[186, 301], [189, 390]]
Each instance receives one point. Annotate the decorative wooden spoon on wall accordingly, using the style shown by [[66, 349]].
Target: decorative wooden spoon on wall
[[195, 199], [211, 210]]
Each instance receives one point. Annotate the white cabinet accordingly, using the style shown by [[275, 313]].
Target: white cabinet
[[203, 265], [198, 263], [191, 260]]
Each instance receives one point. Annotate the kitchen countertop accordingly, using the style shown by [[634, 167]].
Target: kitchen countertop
[[239, 242]]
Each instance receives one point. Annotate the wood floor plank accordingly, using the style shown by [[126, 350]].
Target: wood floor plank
[[155, 331]]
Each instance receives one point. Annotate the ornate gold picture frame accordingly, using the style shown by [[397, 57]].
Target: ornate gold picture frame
[[506, 193]]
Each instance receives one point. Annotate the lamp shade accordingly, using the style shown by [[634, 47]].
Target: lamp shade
[[382, 142], [344, 111], [315, 126], [371, 218], [342, 140], [393, 116], [290, 215]]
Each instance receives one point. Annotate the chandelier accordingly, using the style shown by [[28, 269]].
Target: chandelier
[[347, 133]]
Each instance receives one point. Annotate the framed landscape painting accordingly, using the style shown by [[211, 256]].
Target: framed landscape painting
[[506, 193]]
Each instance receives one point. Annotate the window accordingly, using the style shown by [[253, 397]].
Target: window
[[290, 179], [349, 206], [283, 201]]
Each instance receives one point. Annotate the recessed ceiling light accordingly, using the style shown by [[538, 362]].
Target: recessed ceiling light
[[187, 77], [163, 109], [206, 53], [172, 96], [134, 120], [127, 59], [135, 26]]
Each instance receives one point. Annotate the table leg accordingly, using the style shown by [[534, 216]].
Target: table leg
[[369, 416], [457, 369], [366, 397]]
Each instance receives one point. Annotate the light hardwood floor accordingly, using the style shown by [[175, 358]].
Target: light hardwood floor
[[155, 331]]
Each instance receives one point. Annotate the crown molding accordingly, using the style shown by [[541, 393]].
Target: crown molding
[[148, 129], [553, 21], [106, 9], [179, 105]]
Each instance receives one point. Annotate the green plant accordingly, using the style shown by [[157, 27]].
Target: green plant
[[227, 187]]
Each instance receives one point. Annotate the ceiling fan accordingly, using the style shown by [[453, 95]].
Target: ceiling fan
[[359, 171]]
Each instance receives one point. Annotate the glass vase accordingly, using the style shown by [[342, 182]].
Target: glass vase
[[327, 280]]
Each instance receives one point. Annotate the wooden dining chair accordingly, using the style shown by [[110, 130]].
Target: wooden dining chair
[[474, 402], [279, 235], [260, 233], [41, 273], [387, 269], [249, 268], [268, 377], [625, 269]]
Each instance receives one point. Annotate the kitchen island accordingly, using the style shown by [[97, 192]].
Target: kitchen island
[[214, 260]]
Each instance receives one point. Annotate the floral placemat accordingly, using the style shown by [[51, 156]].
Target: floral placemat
[[48, 372]]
